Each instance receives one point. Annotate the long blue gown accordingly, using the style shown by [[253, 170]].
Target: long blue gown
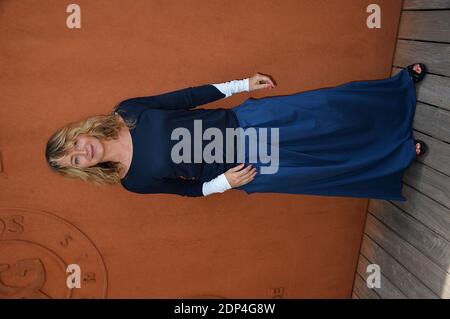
[[351, 140]]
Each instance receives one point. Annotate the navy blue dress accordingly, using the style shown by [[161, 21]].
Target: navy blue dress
[[351, 140]]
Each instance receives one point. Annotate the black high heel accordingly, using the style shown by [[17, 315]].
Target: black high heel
[[423, 147], [417, 77]]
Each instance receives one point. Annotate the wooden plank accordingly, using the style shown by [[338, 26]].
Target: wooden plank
[[406, 282], [428, 181], [412, 259], [432, 214], [417, 234], [360, 287], [434, 55], [355, 295], [433, 121], [434, 89], [438, 154], [387, 290], [428, 4], [425, 25]]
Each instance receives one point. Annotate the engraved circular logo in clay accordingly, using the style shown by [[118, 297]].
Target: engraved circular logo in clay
[[36, 248]]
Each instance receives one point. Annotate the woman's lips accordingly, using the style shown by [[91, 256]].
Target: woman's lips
[[92, 152]]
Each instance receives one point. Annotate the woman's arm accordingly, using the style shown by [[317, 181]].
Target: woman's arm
[[194, 96], [234, 177], [232, 87], [178, 186], [188, 97]]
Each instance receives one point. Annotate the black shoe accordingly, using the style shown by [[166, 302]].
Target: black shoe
[[417, 77], [423, 147]]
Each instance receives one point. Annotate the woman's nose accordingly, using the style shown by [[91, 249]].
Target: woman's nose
[[81, 152]]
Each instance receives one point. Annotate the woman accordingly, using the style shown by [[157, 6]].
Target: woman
[[352, 140]]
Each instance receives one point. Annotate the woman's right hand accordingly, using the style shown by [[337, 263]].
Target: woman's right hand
[[237, 176]]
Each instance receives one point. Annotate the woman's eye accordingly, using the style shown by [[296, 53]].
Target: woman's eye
[[76, 160]]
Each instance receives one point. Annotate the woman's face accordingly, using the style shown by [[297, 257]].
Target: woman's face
[[87, 151]]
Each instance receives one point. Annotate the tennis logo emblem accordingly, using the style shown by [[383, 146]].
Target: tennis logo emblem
[[36, 249]]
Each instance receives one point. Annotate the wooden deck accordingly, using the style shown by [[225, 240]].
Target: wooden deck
[[410, 241]]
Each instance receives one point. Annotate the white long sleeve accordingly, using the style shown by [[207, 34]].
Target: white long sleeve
[[217, 185], [231, 87]]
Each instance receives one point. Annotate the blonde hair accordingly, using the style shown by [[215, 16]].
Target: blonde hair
[[103, 127]]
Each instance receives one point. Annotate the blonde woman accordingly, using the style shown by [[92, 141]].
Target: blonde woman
[[353, 140]]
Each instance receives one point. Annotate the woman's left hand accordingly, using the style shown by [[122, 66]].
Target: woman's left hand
[[260, 81]]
